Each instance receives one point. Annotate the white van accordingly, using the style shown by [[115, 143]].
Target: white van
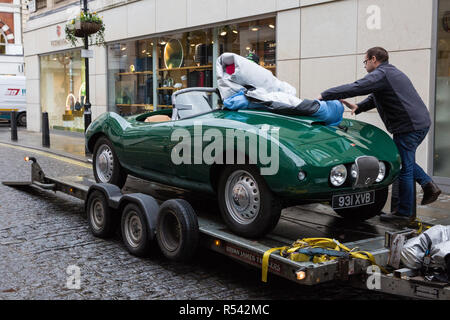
[[13, 98]]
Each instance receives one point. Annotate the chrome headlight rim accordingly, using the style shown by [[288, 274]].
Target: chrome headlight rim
[[381, 172], [338, 175]]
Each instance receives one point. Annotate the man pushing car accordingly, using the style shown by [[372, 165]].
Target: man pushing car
[[404, 115]]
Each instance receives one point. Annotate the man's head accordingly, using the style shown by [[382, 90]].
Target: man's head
[[374, 57]]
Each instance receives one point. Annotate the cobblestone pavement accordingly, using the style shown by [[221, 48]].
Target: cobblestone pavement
[[42, 233]]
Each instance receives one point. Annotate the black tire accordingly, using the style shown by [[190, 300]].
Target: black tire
[[366, 212], [252, 222], [177, 230], [101, 219], [22, 119], [117, 175], [137, 240]]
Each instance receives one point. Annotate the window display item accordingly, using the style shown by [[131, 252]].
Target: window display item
[[173, 54]]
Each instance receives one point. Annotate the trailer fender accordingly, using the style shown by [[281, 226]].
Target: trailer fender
[[149, 206], [111, 192]]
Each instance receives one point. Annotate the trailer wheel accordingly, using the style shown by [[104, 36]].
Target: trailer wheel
[[177, 230], [102, 222], [134, 230]]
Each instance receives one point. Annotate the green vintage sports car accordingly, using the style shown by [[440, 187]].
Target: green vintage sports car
[[273, 161]]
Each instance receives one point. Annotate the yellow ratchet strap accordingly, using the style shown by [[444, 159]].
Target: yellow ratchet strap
[[325, 243]]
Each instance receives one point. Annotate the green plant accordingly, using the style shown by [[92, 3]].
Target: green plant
[[97, 39]]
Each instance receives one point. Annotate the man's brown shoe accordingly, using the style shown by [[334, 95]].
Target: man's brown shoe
[[430, 193]]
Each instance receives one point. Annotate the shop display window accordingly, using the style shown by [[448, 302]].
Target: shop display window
[[63, 92], [143, 74]]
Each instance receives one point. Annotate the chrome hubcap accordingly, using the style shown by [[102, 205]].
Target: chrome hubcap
[[242, 197], [104, 163], [133, 229]]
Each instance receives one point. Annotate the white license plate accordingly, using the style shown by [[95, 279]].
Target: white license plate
[[353, 200]]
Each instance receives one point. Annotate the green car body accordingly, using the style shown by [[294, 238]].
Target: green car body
[[144, 150]]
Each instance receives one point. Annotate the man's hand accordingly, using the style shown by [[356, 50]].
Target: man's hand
[[350, 105]]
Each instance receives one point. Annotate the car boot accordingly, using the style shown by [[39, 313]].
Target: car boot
[[430, 193]]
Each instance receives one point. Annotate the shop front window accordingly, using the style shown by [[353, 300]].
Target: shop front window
[[130, 69], [2, 43], [143, 74], [255, 37], [442, 115], [63, 92], [185, 60]]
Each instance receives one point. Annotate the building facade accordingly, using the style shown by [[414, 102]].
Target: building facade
[[11, 49], [156, 46]]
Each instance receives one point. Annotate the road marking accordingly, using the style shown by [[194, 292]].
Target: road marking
[[48, 155]]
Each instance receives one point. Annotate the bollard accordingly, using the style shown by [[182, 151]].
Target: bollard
[[13, 126], [395, 198], [87, 122], [45, 130]]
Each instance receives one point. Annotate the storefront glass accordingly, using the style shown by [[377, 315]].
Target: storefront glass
[[63, 90], [143, 74], [256, 37], [442, 115], [130, 76]]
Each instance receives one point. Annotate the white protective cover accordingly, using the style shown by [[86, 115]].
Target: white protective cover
[[414, 249], [248, 73]]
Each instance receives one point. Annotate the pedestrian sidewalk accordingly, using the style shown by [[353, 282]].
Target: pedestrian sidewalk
[[71, 145], [67, 144]]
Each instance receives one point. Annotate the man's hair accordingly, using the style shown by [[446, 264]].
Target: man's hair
[[380, 53]]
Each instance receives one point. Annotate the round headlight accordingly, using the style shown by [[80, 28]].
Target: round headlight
[[338, 175], [354, 172], [381, 172]]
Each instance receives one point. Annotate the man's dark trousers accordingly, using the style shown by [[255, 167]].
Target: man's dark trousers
[[411, 172]]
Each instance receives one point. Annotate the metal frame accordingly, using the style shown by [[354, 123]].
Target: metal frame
[[443, 182]]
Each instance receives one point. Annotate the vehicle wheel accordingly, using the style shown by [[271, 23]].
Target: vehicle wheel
[[22, 119], [102, 221], [247, 205], [134, 230], [177, 230], [366, 212], [107, 168]]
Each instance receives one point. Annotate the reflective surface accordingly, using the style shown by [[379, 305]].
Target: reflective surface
[[441, 163]]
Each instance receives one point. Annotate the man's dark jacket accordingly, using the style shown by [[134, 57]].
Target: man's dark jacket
[[392, 93]]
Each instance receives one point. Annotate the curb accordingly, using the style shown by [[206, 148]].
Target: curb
[[52, 151]]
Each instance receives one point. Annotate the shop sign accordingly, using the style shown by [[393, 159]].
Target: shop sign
[[57, 36]]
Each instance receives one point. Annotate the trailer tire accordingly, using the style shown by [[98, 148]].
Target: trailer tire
[[106, 165], [101, 220], [248, 207], [134, 230], [362, 213], [177, 230]]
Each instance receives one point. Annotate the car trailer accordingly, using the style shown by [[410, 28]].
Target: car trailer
[[177, 229]]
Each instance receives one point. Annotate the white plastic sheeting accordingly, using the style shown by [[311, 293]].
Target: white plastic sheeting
[[414, 249], [248, 73]]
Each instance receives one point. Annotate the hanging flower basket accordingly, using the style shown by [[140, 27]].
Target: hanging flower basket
[[86, 28], [86, 24]]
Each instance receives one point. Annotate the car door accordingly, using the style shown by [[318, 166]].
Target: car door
[[147, 149]]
